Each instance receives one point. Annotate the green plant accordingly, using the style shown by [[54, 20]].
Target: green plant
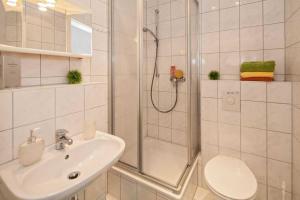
[[74, 77], [214, 75]]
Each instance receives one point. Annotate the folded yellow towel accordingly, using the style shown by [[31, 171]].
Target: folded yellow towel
[[257, 74]]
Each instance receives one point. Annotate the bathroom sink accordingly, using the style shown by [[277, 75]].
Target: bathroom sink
[[61, 173]]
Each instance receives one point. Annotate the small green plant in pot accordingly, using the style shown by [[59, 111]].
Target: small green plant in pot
[[74, 77], [214, 75]]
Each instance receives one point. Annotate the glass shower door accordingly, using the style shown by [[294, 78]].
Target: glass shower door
[[125, 77]]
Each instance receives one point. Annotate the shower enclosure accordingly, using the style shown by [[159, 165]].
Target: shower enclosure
[[154, 86]]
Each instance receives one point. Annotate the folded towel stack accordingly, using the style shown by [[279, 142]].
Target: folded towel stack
[[258, 71]]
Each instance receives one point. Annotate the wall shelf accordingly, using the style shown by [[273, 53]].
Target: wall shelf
[[6, 48]]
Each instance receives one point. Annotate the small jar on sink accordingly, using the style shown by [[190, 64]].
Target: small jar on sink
[[89, 130]]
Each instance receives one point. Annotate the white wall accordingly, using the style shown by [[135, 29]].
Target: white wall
[[234, 31], [60, 105], [170, 127]]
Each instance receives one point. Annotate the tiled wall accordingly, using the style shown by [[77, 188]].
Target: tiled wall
[[259, 132], [292, 63], [170, 127], [49, 108], [59, 106], [234, 31]]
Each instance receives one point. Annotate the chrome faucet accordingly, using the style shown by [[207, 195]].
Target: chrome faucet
[[61, 139]]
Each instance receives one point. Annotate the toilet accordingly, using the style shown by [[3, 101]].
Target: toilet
[[230, 179]]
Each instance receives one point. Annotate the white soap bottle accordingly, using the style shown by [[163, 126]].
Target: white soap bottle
[[31, 151]]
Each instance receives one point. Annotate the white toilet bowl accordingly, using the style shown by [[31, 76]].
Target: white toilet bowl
[[230, 179]]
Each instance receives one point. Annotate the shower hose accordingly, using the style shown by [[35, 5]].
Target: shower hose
[[152, 83]]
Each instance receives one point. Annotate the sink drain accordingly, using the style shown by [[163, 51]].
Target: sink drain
[[74, 175]]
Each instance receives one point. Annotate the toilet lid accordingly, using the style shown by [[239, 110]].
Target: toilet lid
[[230, 177]]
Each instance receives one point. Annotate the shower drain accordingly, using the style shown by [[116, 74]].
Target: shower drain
[[74, 175]]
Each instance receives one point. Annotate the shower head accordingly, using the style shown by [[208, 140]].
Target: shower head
[[145, 29]]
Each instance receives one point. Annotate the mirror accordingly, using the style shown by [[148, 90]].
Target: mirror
[[47, 25]]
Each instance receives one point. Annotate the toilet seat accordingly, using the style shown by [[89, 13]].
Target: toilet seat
[[230, 178]]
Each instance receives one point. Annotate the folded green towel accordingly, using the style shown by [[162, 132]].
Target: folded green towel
[[258, 66]]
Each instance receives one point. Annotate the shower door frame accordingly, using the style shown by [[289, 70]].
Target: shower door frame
[[140, 61]]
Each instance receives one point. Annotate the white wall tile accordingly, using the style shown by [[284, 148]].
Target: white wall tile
[[229, 41], [97, 188], [209, 88], [273, 11], [228, 3], [279, 117], [253, 91], [251, 38], [6, 145], [145, 193], [179, 137], [54, 66], [209, 109], [254, 114], [114, 185], [230, 63], [30, 65], [39, 103], [128, 189], [251, 14], [69, 100], [229, 18], [210, 43], [279, 174], [179, 120], [210, 5], [5, 110], [277, 194], [274, 36], [279, 92], [254, 141], [95, 95], [230, 136], [280, 146], [251, 55], [177, 30], [99, 63], [209, 132], [165, 134], [100, 116], [210, 62], [74, 123], [210, 22]]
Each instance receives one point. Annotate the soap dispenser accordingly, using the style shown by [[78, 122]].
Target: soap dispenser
[[31, 151]]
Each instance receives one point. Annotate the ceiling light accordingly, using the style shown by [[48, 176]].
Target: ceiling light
[[42, 7], [12, 3], [50, 5]]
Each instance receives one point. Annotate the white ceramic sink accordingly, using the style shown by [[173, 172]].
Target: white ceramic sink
[[48, 179]]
